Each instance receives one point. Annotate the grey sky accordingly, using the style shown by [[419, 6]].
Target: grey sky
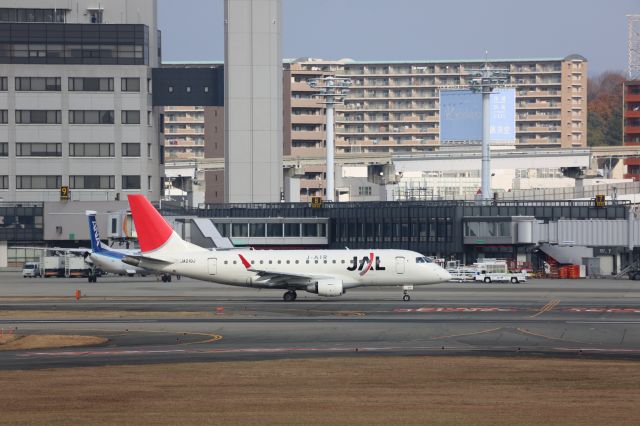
[[417, 29]]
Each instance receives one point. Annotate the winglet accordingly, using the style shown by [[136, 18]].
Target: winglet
[[153, 231], [245, 262]]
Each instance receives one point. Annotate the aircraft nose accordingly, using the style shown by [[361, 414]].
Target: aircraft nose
[[445, 275]]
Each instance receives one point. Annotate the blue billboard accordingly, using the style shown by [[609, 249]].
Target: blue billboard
[[461, 115]]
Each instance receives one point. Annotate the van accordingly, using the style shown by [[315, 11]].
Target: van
[[30, 269]]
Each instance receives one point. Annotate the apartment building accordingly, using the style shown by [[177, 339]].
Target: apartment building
[[184, 133], [631, 125], [75, 100], [393, 107]]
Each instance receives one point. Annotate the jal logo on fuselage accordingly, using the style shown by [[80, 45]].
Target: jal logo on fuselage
[[368, 261]]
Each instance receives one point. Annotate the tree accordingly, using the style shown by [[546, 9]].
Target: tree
[[604, 98]]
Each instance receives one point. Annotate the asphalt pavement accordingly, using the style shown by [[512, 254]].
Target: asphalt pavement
[[148, 321]]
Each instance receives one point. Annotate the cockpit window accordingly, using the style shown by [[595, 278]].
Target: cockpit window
[[428, 260], [420, 260]]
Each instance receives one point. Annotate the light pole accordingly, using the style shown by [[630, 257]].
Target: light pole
[[332, 90], [484, 81]]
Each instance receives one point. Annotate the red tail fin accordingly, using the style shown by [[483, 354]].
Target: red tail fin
[[153, 231]]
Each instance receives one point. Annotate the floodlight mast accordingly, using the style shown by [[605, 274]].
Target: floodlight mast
[[332, 90], [484, 81]]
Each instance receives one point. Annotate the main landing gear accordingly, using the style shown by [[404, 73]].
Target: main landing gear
[[93, 276], [405, 291], [166, 278], [290, 296]]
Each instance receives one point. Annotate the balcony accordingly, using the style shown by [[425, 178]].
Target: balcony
[[634, 176], [632, 114], [195, 131], [632, 97], [631, 129], [308, 119], [307, 136]]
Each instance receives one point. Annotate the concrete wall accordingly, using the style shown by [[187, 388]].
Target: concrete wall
[[253, 101], [3, 254], [64, 221]]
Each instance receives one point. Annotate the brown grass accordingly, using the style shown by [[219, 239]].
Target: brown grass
[[371, 390], [48, 341]]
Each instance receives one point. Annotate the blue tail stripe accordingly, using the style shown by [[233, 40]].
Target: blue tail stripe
[[94, 234]]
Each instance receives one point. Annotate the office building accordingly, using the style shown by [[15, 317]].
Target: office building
[[75, 100]]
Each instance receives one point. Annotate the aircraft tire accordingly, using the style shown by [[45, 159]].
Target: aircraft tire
[[289, 296], [406, 298]]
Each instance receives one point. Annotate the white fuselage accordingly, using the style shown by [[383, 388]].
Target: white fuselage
[[113, 264], [352, 267]]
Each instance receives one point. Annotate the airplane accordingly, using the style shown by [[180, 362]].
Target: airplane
[[107, 258], [322, 272]]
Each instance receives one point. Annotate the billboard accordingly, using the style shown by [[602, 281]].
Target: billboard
[[461, 115]]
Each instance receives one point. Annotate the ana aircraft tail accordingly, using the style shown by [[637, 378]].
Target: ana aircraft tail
[[96, 245], [155, 235]]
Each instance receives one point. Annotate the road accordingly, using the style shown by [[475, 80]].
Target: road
[[147, 321]]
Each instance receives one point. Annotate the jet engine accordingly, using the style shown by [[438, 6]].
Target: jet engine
[[327, 287]]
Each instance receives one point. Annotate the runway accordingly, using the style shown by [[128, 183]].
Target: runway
[[152, 322]]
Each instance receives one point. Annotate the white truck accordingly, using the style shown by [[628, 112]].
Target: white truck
[[498, 271]]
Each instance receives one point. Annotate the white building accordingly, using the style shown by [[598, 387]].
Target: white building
[[75, 99]]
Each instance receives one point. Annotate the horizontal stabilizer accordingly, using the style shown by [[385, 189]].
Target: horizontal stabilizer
[[134, 260]]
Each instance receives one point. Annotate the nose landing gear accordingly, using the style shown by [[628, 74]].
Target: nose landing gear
[[405, 291], [290, 296]]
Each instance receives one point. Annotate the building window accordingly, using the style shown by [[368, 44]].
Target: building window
[[37, 84], [129, 84], [4, 116], [149, 183], [274, 230], [38, 150], [364, 190], [92, 182], [4, 84], [90, 84], [24, 116], [4, 182], [130, 182], [148, 150], [38, 182], [188, 89], [291, 229], [256, 229], [149, 118], [4, 149], [170, 89], [91, 150], [32, 15], [90, 117], [131, 150], [131, 117], [239, 230], [123, 44]]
